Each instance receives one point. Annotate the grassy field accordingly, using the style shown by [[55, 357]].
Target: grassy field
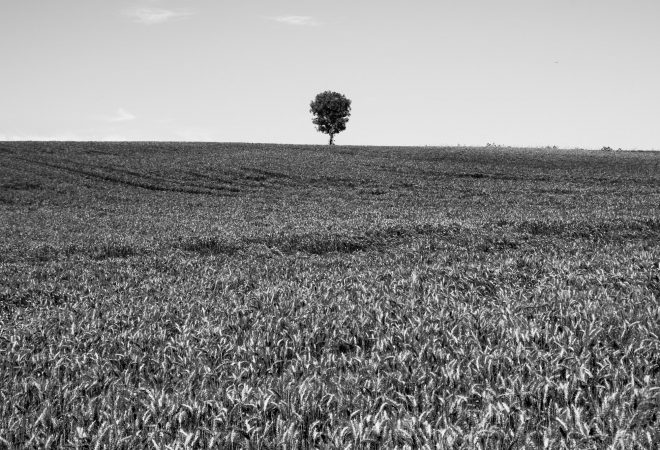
[[157, 295]]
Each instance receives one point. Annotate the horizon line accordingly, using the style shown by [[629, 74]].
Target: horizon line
[[464, 146]]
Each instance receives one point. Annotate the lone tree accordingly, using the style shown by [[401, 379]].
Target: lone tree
[[331, 111]]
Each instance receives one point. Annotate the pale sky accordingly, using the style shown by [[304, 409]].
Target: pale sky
[[572, 73]]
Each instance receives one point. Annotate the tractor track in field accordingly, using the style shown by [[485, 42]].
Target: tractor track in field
[[115, 176]]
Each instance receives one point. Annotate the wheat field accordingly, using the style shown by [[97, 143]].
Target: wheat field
[[184, 296]]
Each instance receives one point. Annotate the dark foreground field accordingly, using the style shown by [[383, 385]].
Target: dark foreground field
[[257, 296]]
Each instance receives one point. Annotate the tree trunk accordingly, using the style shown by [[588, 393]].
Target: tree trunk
[[332, 139]]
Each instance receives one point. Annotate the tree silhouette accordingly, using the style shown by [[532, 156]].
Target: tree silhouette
[[331, 111]]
